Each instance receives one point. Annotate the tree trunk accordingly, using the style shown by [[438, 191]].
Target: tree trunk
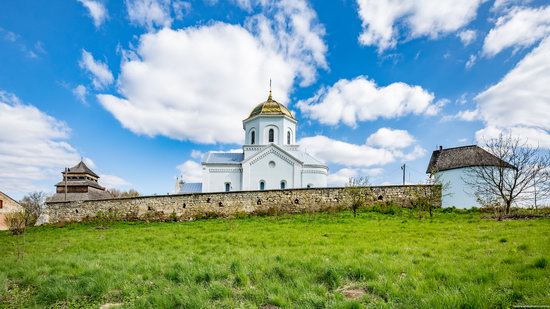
[[508, 205]]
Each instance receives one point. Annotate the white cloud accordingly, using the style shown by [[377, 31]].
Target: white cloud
[[80, 92], [467, 36], [390, 138], [533, 136], [468, 115], [353, 155], [33, 146], [519, 28], [97, 11], [381, 19], [89, 162], [471, 61], [153, 14], [195, 154], [360, 99], [99, 72], [506, 5], [341, 177], [520, 102], [191, 171], [199, 83], [111, 181]]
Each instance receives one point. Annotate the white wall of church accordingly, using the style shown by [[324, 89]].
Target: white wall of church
[[261, 125], [270, 169], [215, 178], [314, 177]]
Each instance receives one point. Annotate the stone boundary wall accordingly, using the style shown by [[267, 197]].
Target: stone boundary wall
[[232, 204]]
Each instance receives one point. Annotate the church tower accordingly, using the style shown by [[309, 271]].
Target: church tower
[[270, 122]]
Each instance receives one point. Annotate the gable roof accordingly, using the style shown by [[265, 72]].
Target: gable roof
[[460, 157], [82, 168], [223, 158], [10, 198], [191, 187]]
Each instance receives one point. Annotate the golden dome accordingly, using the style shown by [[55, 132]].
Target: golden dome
[[270, 107]]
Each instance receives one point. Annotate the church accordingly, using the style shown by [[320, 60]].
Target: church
[[270, 158]]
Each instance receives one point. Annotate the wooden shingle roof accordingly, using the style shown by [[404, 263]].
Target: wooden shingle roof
[[460, 157], [82, 168]]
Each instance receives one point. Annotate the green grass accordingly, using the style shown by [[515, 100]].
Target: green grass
[[298, 261]]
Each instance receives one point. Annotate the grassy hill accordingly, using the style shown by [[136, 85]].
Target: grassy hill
[[330, 260]]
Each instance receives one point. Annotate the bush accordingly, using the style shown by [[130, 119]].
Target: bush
[[16, 222]]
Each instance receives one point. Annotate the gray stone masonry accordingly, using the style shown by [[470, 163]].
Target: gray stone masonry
[[183, 207]]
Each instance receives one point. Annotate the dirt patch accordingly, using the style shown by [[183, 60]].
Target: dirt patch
[[352, 292], [110, 305]]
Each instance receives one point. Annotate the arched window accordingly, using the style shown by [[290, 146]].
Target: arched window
[[283, 184], [253, 137], [227, 186], [288, 137], [262, 185], [271, 135]]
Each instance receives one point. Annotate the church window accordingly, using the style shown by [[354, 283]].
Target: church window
[[288, 137], [262, 185], [283, 184], [271, 135], [227, 186], [1, 204], [253, 137]]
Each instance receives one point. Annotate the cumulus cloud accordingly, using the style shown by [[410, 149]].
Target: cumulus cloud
[[520, 102], [97, 11], [360, 99], [341, 177], [199, 83], [353, 155], [390, 138], [80, 92], [191, 171], [467, 36], [156, 13], [33, 146], [113, 182], [519, 28], [99, 72], [382, 19]]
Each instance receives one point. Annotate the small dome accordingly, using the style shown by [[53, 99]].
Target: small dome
[[270, 107]]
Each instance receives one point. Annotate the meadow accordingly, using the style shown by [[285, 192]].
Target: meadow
[[323, 260]]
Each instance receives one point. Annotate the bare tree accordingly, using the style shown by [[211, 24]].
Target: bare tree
[[513, 178], [33, 203], [356, 192], [119, 194]]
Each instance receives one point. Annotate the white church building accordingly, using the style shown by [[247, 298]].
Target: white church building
[[270, 158]]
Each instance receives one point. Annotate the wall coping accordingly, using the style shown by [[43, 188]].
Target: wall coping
[[237, 192]]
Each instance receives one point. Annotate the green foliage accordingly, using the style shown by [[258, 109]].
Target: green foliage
[[454, 260], [16, 222]]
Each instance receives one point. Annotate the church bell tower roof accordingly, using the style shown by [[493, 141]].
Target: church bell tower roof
[[270, 107]]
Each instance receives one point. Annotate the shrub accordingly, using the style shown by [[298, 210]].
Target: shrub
[[541, 263], [16, 222]]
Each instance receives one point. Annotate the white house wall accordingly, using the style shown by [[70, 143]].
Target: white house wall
[[458, 194]]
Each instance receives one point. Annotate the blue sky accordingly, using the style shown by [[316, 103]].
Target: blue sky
[[141, 88]]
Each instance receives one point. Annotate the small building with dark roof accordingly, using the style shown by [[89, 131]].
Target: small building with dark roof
[[451, 166], [79, 183]]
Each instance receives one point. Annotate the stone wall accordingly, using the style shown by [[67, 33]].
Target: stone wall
[[231, 204]]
